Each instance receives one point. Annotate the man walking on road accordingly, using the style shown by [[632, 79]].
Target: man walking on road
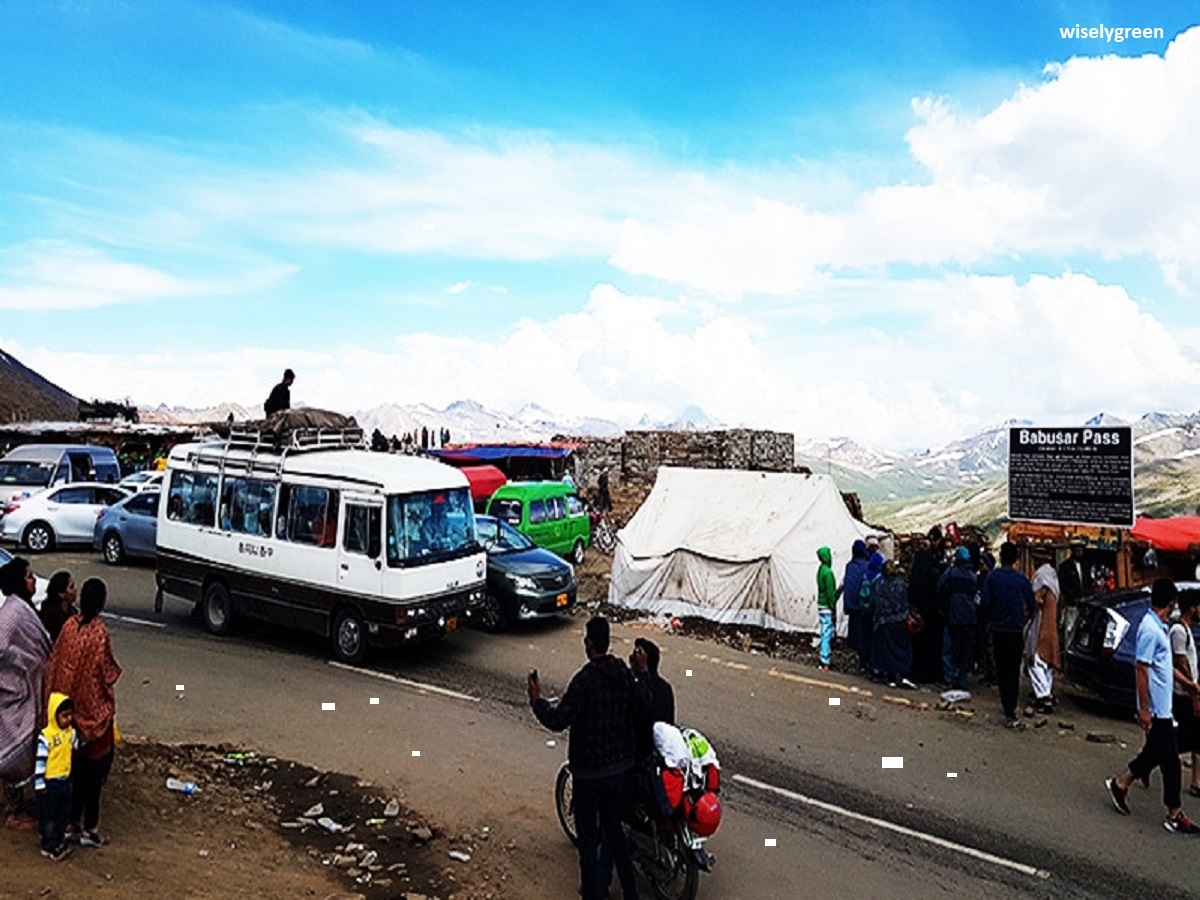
[[600, 707], [826, 603], [1187, 691], [1155, 675], [1007, 603]]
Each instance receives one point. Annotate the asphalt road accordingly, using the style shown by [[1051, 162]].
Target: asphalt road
[[1026, 814]]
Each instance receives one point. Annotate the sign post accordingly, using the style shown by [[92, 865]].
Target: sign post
[[1071, 475]]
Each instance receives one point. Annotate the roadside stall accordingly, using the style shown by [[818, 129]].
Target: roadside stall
[[1108, 554], [1169, 547]]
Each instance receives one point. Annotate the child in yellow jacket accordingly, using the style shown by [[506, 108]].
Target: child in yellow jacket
[[52, 775]]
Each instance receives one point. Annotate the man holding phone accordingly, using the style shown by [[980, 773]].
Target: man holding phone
[[599, 707]]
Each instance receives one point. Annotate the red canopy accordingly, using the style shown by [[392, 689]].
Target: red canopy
[[1177, 535], [483, 480]]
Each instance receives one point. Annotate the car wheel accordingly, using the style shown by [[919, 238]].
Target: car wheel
[[218, 608], [491, 614], [114, 550], [39, 538], [577, 552], [349, 637]]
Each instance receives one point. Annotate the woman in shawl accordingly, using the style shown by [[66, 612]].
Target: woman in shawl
[[82, 667], [1041, 639], [891, 644], [24, 649], [59, 604]]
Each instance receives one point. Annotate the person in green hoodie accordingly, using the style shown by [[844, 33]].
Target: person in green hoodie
[[52, 775], [826, 602]]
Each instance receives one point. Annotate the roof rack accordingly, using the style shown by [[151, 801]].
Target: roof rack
[[296, 440]]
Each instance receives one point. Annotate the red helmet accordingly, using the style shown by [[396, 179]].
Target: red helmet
[[705, 814]]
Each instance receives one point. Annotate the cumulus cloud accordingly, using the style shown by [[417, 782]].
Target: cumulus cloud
[[985, 348]]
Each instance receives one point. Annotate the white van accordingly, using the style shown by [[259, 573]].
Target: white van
[[34, 467], [319, 534]]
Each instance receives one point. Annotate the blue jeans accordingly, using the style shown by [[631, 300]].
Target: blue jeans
[[54, 805], [825, 618]]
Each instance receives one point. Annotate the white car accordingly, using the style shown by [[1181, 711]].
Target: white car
[[61, 515], [39, 595], [146, 480]]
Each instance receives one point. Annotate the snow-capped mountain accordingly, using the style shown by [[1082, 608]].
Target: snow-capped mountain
[[1165, 445]]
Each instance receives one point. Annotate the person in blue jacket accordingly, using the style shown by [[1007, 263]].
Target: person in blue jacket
[[1007, 603], [857, 613]]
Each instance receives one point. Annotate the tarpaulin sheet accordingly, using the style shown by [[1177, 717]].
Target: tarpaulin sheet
[[483, 480], [503, 451], [733, 546], [1176, 535]]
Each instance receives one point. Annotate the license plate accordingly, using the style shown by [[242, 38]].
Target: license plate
[[560, 600], [452, 623]]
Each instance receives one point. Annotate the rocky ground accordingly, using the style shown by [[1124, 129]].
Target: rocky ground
[[256, 827]]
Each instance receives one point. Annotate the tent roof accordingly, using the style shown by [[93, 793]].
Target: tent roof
[[468, 452], [1177, 535], [483, 480], [736, 515]]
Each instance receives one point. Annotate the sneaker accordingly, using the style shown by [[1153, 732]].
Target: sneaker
[[905, 683], [1013, 723], [59, 853], [1118, 795], [1181, 824], [91, 839], [824, 667]]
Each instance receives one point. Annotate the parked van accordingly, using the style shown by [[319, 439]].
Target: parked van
[[549, 513], [319, 534], [34, 467]]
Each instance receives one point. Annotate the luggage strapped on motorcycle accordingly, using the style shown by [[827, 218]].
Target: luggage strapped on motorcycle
[[688, 775]]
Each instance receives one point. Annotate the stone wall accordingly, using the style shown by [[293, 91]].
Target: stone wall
[[635, 456]]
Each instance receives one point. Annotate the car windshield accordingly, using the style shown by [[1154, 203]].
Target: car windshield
[[430, 526], [500, 537], [38, 473]]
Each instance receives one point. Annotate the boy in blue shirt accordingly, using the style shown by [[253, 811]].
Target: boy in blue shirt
[[1155, 677]]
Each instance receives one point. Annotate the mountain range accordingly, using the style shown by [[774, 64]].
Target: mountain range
[[965, 479]]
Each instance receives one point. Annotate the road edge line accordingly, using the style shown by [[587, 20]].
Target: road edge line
[[899, 829], [416, 685]]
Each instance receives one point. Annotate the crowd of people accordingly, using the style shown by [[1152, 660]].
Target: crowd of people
[[955, 614], [58, 728]]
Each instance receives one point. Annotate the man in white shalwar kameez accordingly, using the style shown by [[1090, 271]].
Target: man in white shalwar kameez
[[1041, 639]]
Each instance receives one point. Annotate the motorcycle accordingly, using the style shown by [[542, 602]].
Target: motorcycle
[[604, 538], [667, 851]]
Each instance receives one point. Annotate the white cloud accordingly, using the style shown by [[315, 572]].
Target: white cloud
[[985, 349], [55, 275]]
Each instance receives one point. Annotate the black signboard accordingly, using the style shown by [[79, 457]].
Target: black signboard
[[1071, 475]]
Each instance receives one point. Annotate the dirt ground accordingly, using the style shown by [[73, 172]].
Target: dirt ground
[[245, 833]]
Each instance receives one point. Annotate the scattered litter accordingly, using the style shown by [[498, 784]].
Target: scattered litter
[[327, 707], [956, 696], [368, 859], [893, 762], [179, 687], [317, 809], [770, 842], [204, 854], [375, 823], [374, 701], [416, 753], [551, 743], [688, 673], [183, 787], [460, 856], [331, 826], [421, 834], [951, 774], [835, 701], [392, 809]]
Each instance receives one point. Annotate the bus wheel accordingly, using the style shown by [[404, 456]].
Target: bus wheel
[[349, 637], [218, 608]]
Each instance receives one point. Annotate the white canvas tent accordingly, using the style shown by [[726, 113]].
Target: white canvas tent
[[733, 546]]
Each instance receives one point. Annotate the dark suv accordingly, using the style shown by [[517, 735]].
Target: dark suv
[[1100, 656]]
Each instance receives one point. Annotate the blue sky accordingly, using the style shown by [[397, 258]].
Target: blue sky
[[899, 221]]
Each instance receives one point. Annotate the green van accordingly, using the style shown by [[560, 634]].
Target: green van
[[549, 513]]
